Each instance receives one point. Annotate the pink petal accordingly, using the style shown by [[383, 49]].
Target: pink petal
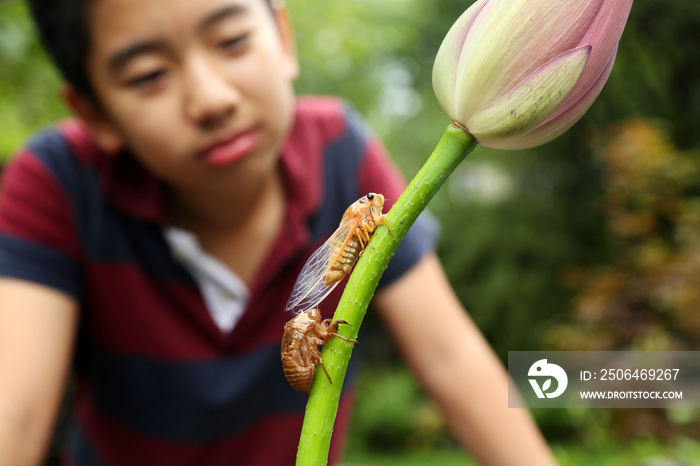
[[554, 127], [604, 36], [510, 39], [531, 102]]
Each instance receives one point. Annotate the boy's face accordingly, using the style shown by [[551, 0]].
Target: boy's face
[[199, 90]]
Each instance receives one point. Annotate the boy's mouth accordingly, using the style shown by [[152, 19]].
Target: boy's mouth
[[231, 150]]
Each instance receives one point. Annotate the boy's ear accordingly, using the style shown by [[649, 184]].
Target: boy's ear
[[101, 128], [286, 31]]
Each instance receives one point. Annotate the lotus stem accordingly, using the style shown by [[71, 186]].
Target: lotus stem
[[322, 406]]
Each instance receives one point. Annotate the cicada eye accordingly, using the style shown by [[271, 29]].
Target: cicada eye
[[370, 196]]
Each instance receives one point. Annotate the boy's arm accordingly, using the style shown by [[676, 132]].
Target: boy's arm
[[37, 329], [458, 368]]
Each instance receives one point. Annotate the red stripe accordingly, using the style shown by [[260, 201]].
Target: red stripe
[[83, 147], [129, 312], [327, 113], [34, 207], [168, 320], [318, 121]]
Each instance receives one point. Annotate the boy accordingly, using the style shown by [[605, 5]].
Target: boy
[[163, 233]]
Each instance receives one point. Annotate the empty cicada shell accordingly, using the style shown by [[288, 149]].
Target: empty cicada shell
[[300, 355]]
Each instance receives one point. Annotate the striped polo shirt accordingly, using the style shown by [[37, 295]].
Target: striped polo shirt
[[159, 383]]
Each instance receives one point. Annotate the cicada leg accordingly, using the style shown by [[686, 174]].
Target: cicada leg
[[383, 219], [361, 239], [364, 236], [386, 220], [332, 330], [328, 330], [349, 340], [320, 361]]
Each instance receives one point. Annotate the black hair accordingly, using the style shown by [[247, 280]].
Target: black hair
[[64, 32], [63, 29]]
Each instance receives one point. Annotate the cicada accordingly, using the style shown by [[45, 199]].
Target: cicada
[[335, 258], [300, 355]]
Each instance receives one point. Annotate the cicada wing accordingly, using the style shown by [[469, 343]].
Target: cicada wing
[[309, 290]]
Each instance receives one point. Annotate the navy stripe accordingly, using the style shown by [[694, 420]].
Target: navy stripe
[[341, 164], [80, 450], [106, 234], [420, 239], [80, 183], [195, 401], [122, 238], [30, 261]]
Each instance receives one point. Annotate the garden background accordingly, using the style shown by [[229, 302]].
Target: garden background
[[590, 242]]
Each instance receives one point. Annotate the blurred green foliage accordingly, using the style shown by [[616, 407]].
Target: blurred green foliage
[[394, 414], [525, 234], [29, 85], [644, 452], [647, 296]]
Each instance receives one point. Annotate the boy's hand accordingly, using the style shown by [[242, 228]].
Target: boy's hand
[[37, 329]]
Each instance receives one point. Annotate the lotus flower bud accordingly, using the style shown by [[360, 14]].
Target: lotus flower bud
[[518, 73]]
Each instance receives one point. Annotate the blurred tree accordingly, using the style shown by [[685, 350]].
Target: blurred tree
[[657, 73], [648, 296]]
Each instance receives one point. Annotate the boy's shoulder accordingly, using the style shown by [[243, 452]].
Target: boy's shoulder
[[320, 108], [64, 146], [327, 116], [327, 132], [64, 161]]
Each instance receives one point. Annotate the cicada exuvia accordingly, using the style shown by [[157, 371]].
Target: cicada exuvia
[[300, 355], [335, 258]]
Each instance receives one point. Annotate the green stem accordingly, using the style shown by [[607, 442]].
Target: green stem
[[322, 407]]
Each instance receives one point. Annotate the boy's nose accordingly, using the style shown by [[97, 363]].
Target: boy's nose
[[209, 99]]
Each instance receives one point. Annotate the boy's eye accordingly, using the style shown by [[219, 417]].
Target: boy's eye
[[233, 43], [147, 78]]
